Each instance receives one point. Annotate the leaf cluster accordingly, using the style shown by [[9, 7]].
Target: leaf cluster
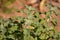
[[34, 27]]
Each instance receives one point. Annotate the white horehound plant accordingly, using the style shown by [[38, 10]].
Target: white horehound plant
[[34, 27]]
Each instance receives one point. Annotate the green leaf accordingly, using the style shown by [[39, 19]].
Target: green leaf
[[13, 28], [42, 36], [54, 21]]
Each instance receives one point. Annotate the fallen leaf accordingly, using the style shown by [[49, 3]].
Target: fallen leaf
[[41, 6]]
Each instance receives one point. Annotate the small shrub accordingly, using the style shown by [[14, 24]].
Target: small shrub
[[34, 27]]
